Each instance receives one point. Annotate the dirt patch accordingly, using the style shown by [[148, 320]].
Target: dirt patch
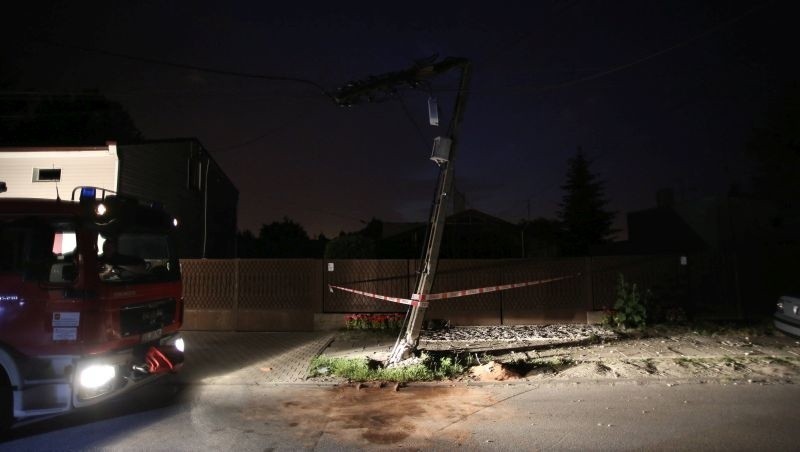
[[666, 353], [494, 371], [370, 415], [752, 369]]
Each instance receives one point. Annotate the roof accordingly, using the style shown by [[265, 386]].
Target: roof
[[39, 206]]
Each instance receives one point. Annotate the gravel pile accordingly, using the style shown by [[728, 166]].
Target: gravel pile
[[480, 337]]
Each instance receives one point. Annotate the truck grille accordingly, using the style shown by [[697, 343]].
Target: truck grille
[[141, 318]]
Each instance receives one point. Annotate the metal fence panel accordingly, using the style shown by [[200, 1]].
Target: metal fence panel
[[564, 294], [460, 274], [386, 277], [284, 294], [209, 284], [274, 284]]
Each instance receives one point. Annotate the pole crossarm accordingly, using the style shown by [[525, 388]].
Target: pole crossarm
[[373, 87]]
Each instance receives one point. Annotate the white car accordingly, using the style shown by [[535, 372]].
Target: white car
[[787, 316]]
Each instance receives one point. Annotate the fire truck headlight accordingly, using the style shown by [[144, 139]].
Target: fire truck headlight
[[97, 375], [179, 344]]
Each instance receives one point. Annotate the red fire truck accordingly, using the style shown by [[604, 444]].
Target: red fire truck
[[90, 301]]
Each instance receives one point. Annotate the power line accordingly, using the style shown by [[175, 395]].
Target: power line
[[630, 64], [261, 136], [656, 54], [276, 78], [28, 94], [493, 56], [410, 118]]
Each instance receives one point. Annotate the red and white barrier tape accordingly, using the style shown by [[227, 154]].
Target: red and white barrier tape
[[423, 304], [422, 299], [464, 293]]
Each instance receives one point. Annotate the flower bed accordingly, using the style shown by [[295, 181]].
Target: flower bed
[[373, 321]]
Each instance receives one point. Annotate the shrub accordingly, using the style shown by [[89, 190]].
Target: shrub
[[629, 310]]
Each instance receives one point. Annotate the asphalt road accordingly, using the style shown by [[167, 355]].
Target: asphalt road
[[628, 415]]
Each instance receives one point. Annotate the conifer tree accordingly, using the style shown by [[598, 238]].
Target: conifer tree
[[583, 215]]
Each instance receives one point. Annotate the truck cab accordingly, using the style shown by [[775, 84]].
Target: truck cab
[[90, 301]]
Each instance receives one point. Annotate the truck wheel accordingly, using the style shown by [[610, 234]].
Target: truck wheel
[[6, 403]]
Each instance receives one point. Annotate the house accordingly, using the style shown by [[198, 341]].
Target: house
[[468, 234], [738, 252], [178, 173], [713, 223]]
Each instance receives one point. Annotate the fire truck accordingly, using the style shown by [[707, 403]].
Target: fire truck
[[90, 301]]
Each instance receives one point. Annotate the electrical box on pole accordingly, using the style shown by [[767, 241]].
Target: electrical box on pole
[[441, 150]]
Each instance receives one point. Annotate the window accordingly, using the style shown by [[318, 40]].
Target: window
[[47, 174], [41, 250]]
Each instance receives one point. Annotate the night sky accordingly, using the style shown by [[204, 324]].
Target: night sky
[[657, 94]]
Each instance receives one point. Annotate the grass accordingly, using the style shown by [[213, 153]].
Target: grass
[[690, 362], [650, 366], [430, 368], [733, 363], [779, 360], [601, 368], [361, 369]]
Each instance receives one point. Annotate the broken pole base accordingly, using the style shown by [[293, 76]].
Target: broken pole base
[[402, 351]]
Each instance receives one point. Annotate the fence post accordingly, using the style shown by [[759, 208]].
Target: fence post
[[318, 303], [588, 284], [236, 286]]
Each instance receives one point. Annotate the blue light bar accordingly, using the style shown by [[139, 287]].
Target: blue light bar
[[88, 193]]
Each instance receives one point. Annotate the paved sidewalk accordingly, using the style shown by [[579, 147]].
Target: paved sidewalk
[[271, 358], [250, 358]]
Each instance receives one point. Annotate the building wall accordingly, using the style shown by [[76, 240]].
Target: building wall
[[185, 179], [222, 205], [92, 166], [180, 174]]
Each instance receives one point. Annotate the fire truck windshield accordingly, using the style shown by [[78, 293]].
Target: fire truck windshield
[[133, 256]]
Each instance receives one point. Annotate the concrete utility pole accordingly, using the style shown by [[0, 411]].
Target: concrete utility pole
[[384, 85], [406, 346]]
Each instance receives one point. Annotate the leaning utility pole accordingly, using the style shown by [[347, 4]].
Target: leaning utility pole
[[384, 84], [408, 343]]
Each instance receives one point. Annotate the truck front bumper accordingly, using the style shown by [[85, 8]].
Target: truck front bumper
[[83, 381], [99, 378]]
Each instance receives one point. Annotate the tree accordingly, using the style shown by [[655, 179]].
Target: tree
[[284, 239], [361, 244], [68, 120], [584, 219], [248, 245], [351, 246]]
